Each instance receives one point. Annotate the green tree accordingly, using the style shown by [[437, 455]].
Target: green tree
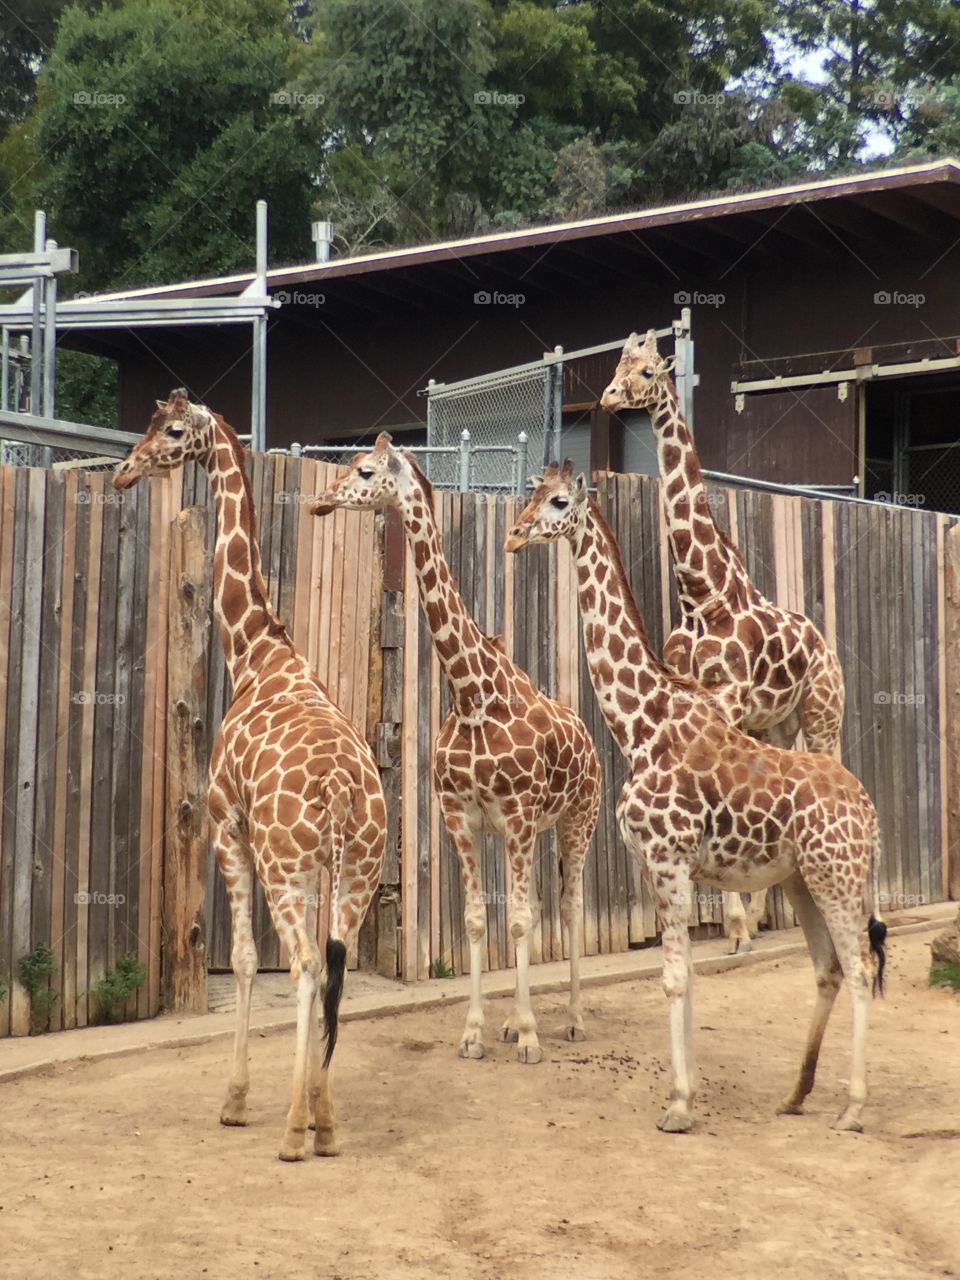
[[158, 126]]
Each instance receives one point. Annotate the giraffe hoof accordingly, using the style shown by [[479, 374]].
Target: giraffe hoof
[[529, 1053], [325, 1144], [790, 1109], [291, 1154], [672, 1122], [848, 1124], [575, 1033], [470, 1049], [508, 1034], [232, 1119]]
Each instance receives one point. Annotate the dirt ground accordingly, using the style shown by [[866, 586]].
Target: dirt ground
[[493, 1169]]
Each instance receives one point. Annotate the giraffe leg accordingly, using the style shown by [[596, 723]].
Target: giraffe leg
[[466, 838], [233, 859], [673, 898], [826, 967], [521, 842], [319, 1103], [735, 916], [573, 849], [844, 920], [508, 1032], [292, 1146]]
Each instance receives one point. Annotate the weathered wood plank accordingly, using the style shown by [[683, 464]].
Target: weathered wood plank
[[185, 852]]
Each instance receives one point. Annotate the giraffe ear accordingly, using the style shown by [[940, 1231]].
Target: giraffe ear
[[383, 442], [161, 404], [670, 364], [580, 487], [535, 481]]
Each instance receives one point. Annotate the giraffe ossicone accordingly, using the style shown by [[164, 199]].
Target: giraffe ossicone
[[705, 802], [770, 670], [293, 787], [507, 759]]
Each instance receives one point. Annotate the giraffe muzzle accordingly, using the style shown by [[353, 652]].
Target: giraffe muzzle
[[516, 539], [322, 506]]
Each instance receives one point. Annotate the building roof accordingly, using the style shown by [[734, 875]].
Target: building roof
[[924, 198]]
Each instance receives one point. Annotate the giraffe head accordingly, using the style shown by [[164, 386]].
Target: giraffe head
[[639, 376], [384, 477], [557, 509], [178, 431]]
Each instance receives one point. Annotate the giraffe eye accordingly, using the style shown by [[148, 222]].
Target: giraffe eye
[[560, 503], [175, 432], [365, 473]]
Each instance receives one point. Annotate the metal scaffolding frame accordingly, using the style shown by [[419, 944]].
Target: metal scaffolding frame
[[38, 313]]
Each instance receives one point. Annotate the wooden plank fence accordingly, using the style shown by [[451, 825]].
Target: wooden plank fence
[[90, 602]]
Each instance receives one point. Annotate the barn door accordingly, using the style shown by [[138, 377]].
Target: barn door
[[809, 435]]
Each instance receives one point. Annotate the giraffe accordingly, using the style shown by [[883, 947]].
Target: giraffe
[[507, 759], [704, 801], [293, 787], [770, 670]]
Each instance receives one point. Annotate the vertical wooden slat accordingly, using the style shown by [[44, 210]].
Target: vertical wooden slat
[[410, 816], [46, 857], [11, 639]]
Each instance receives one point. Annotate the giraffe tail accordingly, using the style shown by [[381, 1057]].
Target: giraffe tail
[[876, 927], [336, 947]]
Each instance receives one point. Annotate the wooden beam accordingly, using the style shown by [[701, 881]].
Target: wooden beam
[[185, 844], [950, 725]]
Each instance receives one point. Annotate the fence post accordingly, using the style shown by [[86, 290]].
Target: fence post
[[521, 485], [951, 729], [183, 961], [465, 461]]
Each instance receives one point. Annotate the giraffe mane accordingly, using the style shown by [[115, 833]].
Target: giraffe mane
[[422, 480], [631, 607], [258, 586]]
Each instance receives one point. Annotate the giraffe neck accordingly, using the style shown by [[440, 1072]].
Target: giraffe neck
[[467, 656], [706, 565], [251, 632], [633, 686]]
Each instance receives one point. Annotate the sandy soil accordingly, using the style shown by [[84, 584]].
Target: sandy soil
[[493, 1169]]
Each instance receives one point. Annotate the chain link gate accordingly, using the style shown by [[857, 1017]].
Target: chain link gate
[[528, 398], [494, 409]]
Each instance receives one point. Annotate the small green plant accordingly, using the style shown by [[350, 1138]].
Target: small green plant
[[440, 969], [944, 973], [110, 994], [35, 969], [3, 991]]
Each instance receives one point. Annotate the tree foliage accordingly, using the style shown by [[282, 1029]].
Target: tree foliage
[[407, 122]]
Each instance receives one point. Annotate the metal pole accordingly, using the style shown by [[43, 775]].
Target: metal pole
[[258, 394], [557, 403], [522, 462], [431, 427], [50, 341], [5, 369], [685, 366], [36, 338], [465, 461]]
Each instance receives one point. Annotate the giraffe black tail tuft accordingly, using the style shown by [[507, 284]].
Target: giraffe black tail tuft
[[877, 933], [333, 990]]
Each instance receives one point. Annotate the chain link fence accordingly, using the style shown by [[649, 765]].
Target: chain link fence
[[493, 409], [27, 440]]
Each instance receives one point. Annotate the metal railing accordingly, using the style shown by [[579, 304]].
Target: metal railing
[[30, 440], [461, 474]]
